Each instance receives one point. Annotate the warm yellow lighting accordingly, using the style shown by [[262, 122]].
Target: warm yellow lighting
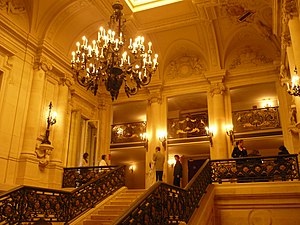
[[266, 103], [230, 132], [171, 162], [210, 134], [132, 168], [161, 134]]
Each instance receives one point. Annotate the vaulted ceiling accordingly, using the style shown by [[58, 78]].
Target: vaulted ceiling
[[212, 30]]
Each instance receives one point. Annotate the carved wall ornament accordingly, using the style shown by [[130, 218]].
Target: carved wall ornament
[[217, 89], [12, 6], [283, 72], [155, 97], [289, 9], [285, 39], [248, 57], [43, 63], [184, 67], [43, 153]]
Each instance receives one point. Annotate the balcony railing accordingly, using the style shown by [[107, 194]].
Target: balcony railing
[[255, 169], [256, 119], [188, 126], [128, 132]]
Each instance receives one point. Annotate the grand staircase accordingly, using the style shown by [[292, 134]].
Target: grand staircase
[[114, 208]]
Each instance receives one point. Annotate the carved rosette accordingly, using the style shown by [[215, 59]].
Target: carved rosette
[[43, 153]]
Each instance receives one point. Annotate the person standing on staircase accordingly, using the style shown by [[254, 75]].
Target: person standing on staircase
[[159, 160], [177, 171]]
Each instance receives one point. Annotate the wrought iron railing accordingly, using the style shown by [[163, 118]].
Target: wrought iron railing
[[165, 204], [128, 132], [29, 204], [77, 176], [248, 169], [256, 119], [188, 125]]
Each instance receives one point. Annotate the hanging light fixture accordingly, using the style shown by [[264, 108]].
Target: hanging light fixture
[[293, 88], [111, 61]]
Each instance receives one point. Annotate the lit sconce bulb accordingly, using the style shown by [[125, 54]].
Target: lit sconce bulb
[[171, 162], [132, 168]]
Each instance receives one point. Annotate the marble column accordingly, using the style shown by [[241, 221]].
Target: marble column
[[32, 128], [153, 127], [28, 164], [294, 27], [217, 118], [73, 154], [105, 121]]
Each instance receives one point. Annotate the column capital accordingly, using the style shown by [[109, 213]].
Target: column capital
[[155, 98], [217, 88], [42, 63], [66, 80]]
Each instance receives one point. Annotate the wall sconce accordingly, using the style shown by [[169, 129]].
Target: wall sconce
[[230, 133], [209, 134], [132, 168], [267, 103], [293, 87], [163, 141], [171, 162], [51, 120], [162, 138], [145, 140]]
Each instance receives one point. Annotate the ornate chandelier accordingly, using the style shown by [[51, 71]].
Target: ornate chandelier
[[109, 60], [293, 88]]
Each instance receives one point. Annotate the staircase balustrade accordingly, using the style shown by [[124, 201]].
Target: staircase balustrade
[[161, 204], [165, 204], [77, 176], [30, 204]]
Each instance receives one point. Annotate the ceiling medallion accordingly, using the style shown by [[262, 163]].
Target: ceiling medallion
[[111, 61]]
